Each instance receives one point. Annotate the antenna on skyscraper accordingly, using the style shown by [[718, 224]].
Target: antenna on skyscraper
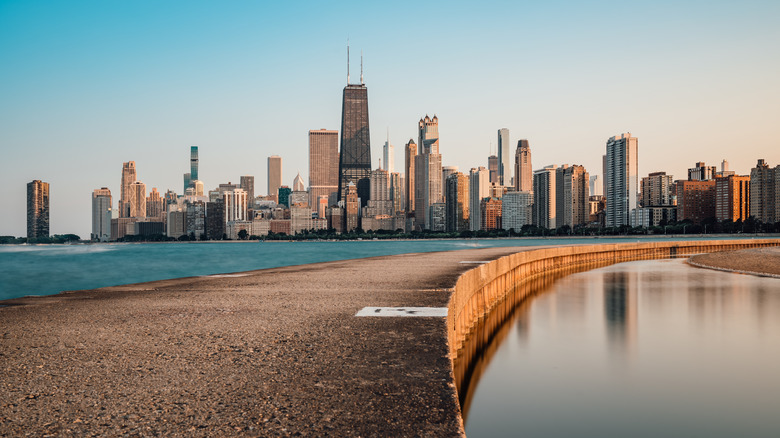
[[347, 61], [361, 67]]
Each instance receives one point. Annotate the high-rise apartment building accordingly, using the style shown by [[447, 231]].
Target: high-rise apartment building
[[235, 204], [621, 178], [764, 192], [274, 175], [381, 202], [695, 200], [516, 210], [410, 152], [479, 189], [656, 190], [428, 171], [155, 207], [544, 208], [505, 166], [572, 205], [355, 158], [701, 172], [323, 166], [524, 174], [457, 202], [493, 169], [128, 177], [732, 198], [37, 209], [101, 215], [490, 212]]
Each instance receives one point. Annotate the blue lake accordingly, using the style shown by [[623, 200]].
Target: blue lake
[[50, 269]]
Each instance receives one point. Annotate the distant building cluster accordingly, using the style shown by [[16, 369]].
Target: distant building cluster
[[345, 194]]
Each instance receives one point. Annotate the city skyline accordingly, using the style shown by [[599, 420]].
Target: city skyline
[[119, 99]]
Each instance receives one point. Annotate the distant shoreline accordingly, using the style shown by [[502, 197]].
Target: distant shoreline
[[398, 239]]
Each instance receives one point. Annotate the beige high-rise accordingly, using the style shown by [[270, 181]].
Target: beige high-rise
[[323, 166], [428, 172], [524, 174], [274, 175], [137, 200], [410, 151], [129, 176]]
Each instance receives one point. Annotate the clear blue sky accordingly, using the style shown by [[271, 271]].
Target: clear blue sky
[[85, 86]]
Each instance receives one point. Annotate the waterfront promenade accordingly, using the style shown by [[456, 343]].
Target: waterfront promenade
[[271, 352], [276, 351]]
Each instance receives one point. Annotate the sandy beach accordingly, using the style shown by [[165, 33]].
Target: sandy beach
[[763, 261]]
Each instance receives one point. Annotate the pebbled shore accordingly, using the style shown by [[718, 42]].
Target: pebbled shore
[[270, 352], [757, 261]]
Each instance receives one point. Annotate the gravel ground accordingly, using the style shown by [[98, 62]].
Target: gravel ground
[[757, 260], [274, 352]]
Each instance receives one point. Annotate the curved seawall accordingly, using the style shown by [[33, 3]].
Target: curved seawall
[[484, 297]]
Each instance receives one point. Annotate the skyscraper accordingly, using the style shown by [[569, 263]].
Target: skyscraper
[[101, 215], [128, 177], [544, 208], [274, 175], [572, 196], [504, 158], [428, 171], [351, 208], [732, 197], [355, 158], [457, 202], [37, 209], [524, 174], [479, 188], [194, 163], [323, 166], [388, 159], [248, 185], [298, 183], [621, 179], [155, 205], [137, 200], [493, 168], [764, 192], [410, 152], [516, 210]]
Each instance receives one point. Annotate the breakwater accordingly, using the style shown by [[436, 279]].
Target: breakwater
[[484, 297]]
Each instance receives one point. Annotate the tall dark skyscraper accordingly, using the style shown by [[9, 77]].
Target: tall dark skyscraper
[[37, 209], [355, 157]]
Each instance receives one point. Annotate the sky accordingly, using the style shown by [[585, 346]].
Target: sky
[[86, 86]]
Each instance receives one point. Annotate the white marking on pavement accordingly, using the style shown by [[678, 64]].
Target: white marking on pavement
[[438, 312], [476, 262]]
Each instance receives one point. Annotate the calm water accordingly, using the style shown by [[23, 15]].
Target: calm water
[[649, 348], [50, 269]]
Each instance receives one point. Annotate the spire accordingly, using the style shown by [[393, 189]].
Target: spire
[[347, 61], [361, 67]]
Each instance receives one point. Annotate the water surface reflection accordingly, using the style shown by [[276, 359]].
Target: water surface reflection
[[648, 348]]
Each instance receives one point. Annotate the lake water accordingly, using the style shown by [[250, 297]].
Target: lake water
[[50, 269], [640, 349]]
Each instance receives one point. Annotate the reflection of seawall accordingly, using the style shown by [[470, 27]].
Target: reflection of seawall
[[485, 297]]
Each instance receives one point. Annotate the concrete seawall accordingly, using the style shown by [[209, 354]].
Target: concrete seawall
[[484, 297]]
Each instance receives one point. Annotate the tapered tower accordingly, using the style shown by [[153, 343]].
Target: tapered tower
[[355, 157]]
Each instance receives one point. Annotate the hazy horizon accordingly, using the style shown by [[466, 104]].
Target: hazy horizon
[[87, 86]]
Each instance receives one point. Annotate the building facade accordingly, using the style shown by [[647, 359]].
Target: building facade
[[764, 192], [274, 176], [428, 171], [505, 165], [572, 196], [355, 157], [621, 178], [524, 174], [479, 189], [457, 202], [323, 166], [128, 177], [516, 210], [101, 215], [732, 198], [544, 208], [695, 200], [37, 209]]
